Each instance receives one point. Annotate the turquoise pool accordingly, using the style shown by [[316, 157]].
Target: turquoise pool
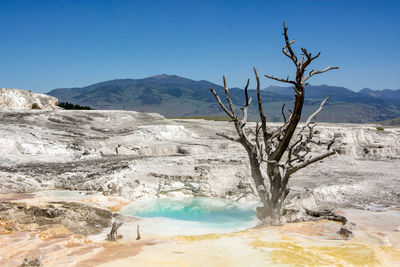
[[203, 214]]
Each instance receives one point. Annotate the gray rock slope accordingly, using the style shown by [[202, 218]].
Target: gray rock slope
[[142, 156]]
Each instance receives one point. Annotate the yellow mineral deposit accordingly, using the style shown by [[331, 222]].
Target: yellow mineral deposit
[[298, 244], [58, 246], [113, 204], [375, 243]]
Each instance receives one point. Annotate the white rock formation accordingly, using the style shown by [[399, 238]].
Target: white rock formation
[[140, 156], [24, 99]]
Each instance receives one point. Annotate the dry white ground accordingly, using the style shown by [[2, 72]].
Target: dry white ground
[[139, 156]]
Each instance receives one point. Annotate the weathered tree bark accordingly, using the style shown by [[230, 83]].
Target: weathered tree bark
[[113, 235], [278, 149], [138, 234]]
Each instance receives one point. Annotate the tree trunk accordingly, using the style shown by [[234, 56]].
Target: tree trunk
[[258, 179], [271, 201]]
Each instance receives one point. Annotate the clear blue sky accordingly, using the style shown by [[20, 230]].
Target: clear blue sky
[[51, 44]]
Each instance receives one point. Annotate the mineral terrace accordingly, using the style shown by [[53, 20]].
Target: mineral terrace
[[117, 157]]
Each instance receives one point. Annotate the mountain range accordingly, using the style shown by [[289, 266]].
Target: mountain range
[[174, 96]]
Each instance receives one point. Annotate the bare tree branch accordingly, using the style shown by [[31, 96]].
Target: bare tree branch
[[246, 95], [310, 161], [314, 72], [259, 147], [229, 137], [239, 124], [260, 108], [228, 98], [319, 53], [310, 58], [274, 162], [280, 80], [288, 45], [246, 106], [311, 117], [284, 49], [221, 104], [290, 149], [283, 113], [331, 143]]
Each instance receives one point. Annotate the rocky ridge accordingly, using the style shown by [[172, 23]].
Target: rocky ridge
[[26, 99]]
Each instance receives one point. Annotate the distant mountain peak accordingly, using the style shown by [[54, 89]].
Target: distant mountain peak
[[167, 79], [162, 76], [366, 89]]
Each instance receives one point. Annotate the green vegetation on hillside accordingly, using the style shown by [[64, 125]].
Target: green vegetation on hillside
[[208, 118], [177, 97], [66, 105]]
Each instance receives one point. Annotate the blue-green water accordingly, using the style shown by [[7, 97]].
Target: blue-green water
[[204, 210]]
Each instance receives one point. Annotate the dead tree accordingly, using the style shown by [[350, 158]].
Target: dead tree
[[280, 150], [138, 233], [113, 235]]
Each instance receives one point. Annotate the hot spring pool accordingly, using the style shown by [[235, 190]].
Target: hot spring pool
[[192, 215]]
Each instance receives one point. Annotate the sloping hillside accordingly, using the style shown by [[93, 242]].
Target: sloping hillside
[[169, 95], [175, 96]]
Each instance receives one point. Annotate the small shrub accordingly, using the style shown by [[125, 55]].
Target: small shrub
[[380, 128]]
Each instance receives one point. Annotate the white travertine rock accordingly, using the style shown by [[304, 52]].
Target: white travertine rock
[[144, 156], [25, 99]]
